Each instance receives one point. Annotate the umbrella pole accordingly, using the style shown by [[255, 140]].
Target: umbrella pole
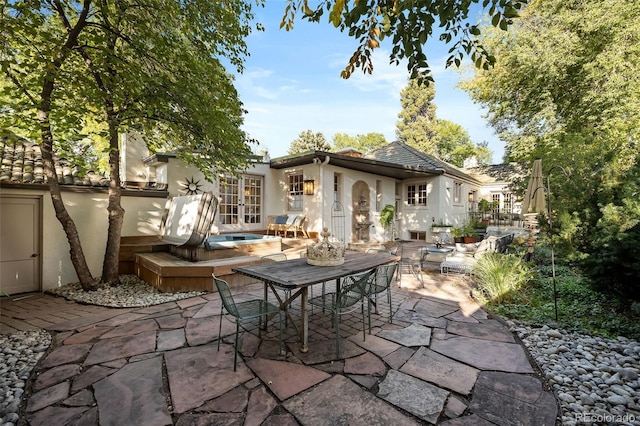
[[553, 257]]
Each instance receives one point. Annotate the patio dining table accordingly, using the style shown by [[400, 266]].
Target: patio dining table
[[297, 275]]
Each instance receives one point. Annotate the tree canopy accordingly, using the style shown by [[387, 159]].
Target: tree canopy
[[363, 143], [566, 89], [419, 127], [454, 145], [408, 25], [309, 141], [154, 67]]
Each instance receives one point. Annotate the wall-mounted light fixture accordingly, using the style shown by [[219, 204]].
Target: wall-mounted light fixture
[[308, 187]]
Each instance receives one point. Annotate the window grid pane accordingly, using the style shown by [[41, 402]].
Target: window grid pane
[[417, 195], [295, 192]]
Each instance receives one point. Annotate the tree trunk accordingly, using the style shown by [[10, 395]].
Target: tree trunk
[[110, 273], [77, 255], [44, 108]]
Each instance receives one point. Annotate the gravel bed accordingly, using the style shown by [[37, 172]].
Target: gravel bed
[[131, 293], [596, 380]]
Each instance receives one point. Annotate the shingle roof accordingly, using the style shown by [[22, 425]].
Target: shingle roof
[[401, 153], [505, 172], [21, 162]]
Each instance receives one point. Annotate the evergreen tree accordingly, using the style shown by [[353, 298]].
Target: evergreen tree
[[309, 141], [417, 124]]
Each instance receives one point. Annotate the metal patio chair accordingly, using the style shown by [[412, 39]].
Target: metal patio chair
[[245, 310], [352, 291], [411, 259], [382, 283]]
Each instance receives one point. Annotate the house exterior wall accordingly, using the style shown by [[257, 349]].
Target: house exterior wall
[[134, 150], [318, 207], [441, 206], [88, 209]]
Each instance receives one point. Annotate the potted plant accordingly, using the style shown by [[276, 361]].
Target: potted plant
[[479, 227], [457, 234], [468, 233], [485, 206]]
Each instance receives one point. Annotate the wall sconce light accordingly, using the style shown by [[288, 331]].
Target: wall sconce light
[[308, 187]]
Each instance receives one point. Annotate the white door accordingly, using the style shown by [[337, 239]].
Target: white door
[[19, 244], [240, 207]]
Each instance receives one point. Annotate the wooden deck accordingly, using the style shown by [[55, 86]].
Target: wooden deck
[[171, 274], [150, 259]]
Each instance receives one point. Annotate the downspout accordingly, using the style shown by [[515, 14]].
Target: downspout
[[320, 186]]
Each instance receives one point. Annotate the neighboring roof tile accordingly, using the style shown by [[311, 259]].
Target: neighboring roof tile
[[21, 162], [505, 172]]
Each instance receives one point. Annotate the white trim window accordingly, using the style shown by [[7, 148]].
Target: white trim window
[[295, 186], [457, 192], [417, 194]]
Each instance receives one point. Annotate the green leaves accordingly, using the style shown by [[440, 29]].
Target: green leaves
[[410, 25]]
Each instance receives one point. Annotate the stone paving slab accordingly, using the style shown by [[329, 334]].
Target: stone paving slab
[[487, 330], [260, 405], [234, 401], [48, 396], [65, 355], [377, 345], [418, 397], [472, 420], [365, 364], [339, 401], [121, 347], [286, 379], [414, 335], [513, 399], [134, 395], [171, 339], [63, 415], [414, 317], [432, 367], [325, 351], [435, 308], [56, 375], [485, 354], [201, 373]]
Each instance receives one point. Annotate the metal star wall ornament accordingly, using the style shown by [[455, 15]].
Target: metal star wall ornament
[[191, 186]]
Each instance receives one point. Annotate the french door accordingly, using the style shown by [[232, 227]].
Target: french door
[[240, 206]]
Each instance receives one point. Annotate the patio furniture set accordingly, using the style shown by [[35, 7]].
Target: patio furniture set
[[285, 224], [358, 280]]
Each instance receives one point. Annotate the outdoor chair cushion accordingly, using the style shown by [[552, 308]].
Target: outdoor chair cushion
[[291, 219], [281, 220]]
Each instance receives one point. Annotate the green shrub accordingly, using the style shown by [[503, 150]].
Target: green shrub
[[387, 215], [500, 275]]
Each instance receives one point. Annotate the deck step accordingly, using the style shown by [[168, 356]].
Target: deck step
[[169, 273], [138, 244]]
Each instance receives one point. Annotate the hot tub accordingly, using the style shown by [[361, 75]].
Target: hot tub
[[231, 245], [224, 241]]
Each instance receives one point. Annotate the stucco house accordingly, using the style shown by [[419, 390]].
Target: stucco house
[[343, 191]]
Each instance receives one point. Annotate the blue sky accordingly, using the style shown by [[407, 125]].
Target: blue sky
[[291, 83]]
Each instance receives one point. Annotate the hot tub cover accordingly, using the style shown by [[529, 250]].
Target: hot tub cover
[[187, 219]]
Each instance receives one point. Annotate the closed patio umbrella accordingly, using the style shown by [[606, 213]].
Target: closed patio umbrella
[[534, 199]]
